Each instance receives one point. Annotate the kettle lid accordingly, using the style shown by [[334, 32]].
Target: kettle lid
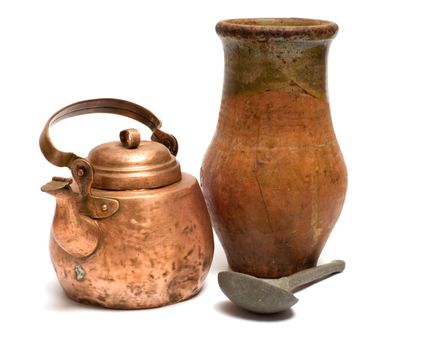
[[133, 164]]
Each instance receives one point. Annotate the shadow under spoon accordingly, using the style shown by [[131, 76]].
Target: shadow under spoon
[[268, 296]]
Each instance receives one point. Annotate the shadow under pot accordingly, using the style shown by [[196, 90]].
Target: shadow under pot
[[130, 230]]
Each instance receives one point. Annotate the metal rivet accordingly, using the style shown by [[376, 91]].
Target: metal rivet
[[104, 207], [79, 273], [80, 172]]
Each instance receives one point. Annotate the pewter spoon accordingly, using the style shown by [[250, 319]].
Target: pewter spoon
[[268, 296]]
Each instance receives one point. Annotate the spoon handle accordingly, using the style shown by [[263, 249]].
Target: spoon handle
[[314, 274]]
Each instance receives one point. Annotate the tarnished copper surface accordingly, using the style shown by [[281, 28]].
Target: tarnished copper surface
[[131, 231], [274, 177], [149, 165], [156, 250]]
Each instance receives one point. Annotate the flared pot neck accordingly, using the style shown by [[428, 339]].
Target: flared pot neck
[[293, 29]]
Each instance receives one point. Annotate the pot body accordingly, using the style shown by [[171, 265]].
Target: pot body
[[155, 250], [273, 177]]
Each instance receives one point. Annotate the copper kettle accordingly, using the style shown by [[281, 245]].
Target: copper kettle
[[130, 230]]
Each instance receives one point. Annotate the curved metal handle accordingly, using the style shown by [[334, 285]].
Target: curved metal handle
[[82, 171], [102, 105]]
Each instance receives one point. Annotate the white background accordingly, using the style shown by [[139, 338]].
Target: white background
[[166, 56]]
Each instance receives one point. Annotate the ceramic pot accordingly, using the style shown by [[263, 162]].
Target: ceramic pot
[[273, 177]]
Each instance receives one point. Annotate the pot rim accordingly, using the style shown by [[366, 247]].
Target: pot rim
[[288, 28]]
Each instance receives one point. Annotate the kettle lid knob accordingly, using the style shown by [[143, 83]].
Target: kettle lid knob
[[130, 138]]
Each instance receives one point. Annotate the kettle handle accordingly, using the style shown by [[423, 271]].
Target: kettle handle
[[82, 171], [102, 105]]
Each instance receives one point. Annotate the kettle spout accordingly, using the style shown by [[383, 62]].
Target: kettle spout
[[57, 186], [75, 233]]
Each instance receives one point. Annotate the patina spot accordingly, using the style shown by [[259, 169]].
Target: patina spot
[[80, 273]]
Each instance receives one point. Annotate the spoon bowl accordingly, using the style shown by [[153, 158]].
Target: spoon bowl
[[254, 294]]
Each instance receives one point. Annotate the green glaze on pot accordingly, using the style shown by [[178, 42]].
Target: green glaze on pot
[[262, 54]]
